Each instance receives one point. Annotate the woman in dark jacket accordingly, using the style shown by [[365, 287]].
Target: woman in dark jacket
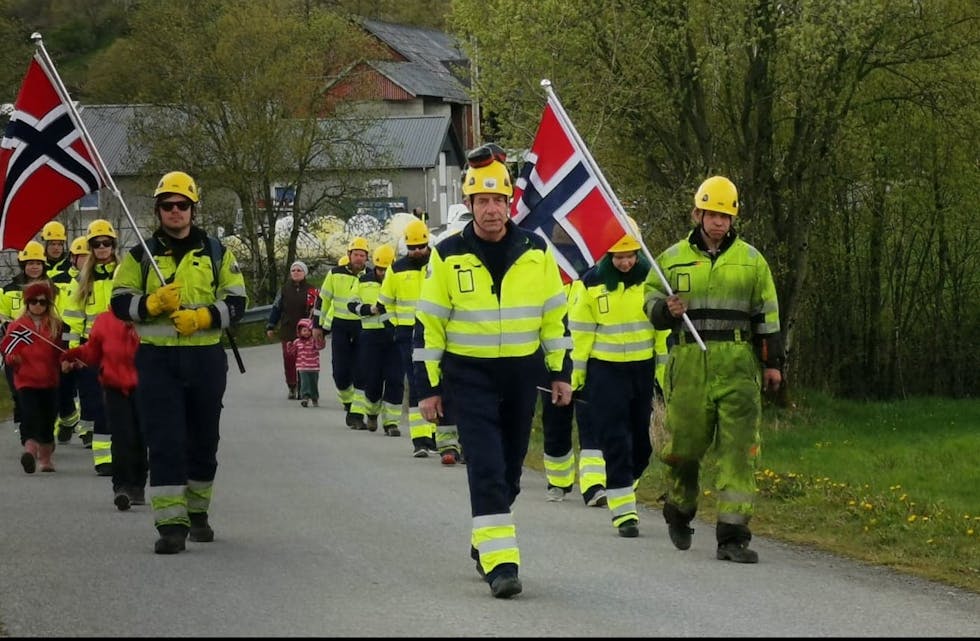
[[294, 301]]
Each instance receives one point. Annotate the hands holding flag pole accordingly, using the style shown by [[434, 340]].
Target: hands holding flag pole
[[563, 197]]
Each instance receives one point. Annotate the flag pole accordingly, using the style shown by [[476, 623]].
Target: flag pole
[[49, 68], [567, 122]]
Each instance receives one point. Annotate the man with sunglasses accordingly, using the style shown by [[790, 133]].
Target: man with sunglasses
[[181, 364], [492, 300]]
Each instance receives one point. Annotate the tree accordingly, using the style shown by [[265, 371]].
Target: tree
[[666, 93], [238, 91]]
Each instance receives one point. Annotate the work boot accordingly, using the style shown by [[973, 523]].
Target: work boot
[[392, 430], [200, 531], [173, 539], [121, 500], [137, 495], [678, 526], [372, 422], [28, 459], [45, 451], [103, 469], [86, 440], [450, 457], [65, 432], [355, 421], [737, 551], [595, 496], [504, 582], [629, 529]]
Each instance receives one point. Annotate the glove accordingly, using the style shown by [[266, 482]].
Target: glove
[[578, 379], [188, 321], [165, 299]]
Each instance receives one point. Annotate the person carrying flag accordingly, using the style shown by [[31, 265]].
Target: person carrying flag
[[180, 364], [713, 397], [492, 299]]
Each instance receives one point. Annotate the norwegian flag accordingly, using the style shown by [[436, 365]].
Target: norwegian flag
[[44, 162], [16, 337], [561, 197]]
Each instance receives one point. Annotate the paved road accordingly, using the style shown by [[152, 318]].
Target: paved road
[[322, 531]]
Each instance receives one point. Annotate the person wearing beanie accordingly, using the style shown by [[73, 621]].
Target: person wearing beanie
[[31, 348], [294, 301]]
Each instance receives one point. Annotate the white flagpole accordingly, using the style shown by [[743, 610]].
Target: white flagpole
[[611, 195], [90, 145]]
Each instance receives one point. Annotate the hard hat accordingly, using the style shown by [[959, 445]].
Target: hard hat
[[344, 260], [416, 233], [53, 231], [384, 255], [357, 242], [493, 178], [100, 227], [627, 243], [33, 250], [79, 246], [177, 182], [717, 194]]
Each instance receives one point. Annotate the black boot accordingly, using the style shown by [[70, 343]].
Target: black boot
[[678, 526], [200, 531], [292, 392], [733, 543], [372, 422], [172, 539]]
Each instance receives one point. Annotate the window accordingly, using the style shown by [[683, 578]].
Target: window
[[89, 202], [284, 197]]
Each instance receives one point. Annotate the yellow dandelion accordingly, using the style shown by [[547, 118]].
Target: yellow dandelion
[[707, 492], [911, 518], [868, 506], [929, 541], [852, 502], [925, 518], [903, 497], [969, 532]]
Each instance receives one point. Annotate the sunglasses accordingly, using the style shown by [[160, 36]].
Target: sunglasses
[[413, 248], [183, 205], [486, 154], [100, 243], [38, 301]]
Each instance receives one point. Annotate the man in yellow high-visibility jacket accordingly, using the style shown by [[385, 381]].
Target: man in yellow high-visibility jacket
[[491, 302]]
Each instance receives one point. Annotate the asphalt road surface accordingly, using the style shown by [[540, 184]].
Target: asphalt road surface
[[325, 531]]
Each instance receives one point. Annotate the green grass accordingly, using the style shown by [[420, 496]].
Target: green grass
[[895, 484]]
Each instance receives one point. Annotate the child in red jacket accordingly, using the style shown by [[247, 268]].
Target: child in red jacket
[[306, 349], [31, 347], [111, 349]]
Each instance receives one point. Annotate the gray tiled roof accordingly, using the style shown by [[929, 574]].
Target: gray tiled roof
[[432, 56]]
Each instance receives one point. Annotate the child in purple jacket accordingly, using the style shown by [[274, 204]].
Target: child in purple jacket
[[307, 349]]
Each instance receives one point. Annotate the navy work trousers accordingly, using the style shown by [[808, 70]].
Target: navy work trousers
[[344, 337], [380, 366], [493, 403], [179, 406]]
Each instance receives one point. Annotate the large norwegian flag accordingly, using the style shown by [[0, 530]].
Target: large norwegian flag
[[561, 197], [44, 162]]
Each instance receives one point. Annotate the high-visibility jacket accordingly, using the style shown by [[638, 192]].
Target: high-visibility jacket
[[219, 287], [609, 325], [462, 312], [339, 288], [368, 289], [80, 315], [59, 272], [400, 289]]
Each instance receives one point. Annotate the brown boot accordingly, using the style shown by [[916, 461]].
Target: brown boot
[[44, 454], [28, 459]]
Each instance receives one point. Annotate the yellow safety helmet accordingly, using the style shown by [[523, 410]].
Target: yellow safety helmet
[[717, 194], [344, 260], [627, 243], [357, 242], [53, 231], [177, 182], [384, 256], [33, 250], [493, 178], [100, 227], [416, 233], [79, 246]]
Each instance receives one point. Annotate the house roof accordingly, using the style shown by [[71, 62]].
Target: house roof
[[431, 56], [400, 142]]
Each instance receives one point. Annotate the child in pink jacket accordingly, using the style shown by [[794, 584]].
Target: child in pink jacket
[[307, 349]]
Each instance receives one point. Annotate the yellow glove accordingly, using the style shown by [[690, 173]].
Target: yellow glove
[[188, 321], [165, 299], [578, 379]]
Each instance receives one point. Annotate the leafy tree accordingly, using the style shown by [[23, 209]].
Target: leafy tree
[[239, 98]]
